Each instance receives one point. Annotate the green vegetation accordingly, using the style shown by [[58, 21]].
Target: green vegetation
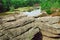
[[45, 4]]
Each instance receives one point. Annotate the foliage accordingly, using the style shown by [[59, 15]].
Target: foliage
[[48, 4], [45, 4], [49, 11]]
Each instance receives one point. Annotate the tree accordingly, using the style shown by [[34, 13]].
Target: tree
[[1, 6]]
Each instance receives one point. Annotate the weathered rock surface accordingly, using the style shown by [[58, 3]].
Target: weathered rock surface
[[49, 28], [48, 34], [48, 38], [21, 27], [49, 19], [17, 23]]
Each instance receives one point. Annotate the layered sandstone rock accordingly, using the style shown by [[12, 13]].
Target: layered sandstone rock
[[21, 27]]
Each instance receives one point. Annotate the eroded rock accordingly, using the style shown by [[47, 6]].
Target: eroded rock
[[21, 27], [49, 19]]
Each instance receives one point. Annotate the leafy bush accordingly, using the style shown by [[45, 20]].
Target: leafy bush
[[49, 11], [45, 4]]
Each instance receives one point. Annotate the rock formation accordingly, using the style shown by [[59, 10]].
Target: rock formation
[[21, 27]]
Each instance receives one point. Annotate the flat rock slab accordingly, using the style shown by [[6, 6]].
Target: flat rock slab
[[48, 34], [48, 27], [48, 38], [28, 35], [57, 26], [13, 17], [22, 33], [49, 24], [49, 19], [0, 27], [18, 23]]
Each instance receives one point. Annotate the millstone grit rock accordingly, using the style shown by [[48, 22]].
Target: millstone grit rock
[[0, 27], [48, 38], [21, 27], [21, 15], [49, 19], [30, 34], [18, 23], [50, 28], [20, 30], [13, 17], [48, 34], [57, 26], [8, 18], [17, 26]]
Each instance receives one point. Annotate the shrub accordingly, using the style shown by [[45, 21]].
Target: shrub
[[45, 4]]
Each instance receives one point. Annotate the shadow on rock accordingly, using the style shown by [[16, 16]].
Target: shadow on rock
[[37, 36]]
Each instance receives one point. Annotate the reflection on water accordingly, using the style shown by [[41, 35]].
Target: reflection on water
[[33, 13]]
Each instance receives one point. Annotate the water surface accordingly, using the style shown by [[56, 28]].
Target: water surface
[[33, 13]]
